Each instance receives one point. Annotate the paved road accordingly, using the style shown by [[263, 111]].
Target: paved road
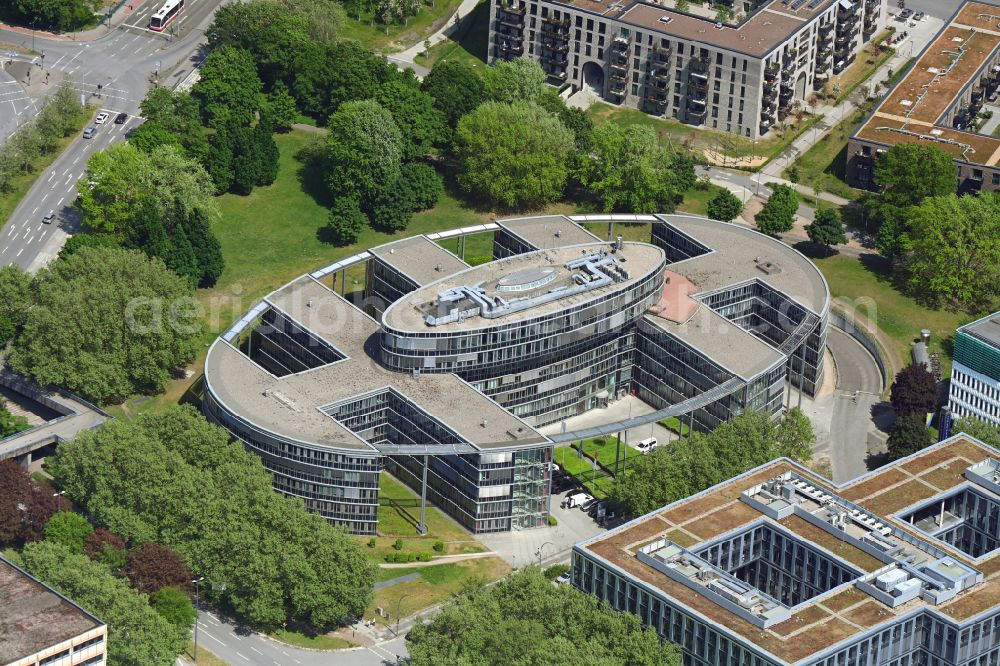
[[859, 385], [240, 647], [125, 61], [15, 105]]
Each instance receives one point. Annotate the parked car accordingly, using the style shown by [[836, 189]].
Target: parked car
[[121, 118], [563, 578], [905, 14], [578, 499], [49, 216], [102, 118], [589, 503], [89, 132], [919, 16], [646, 445]]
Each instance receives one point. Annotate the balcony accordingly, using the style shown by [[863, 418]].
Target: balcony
[[559, 59], [617, 85], [619, 59], [768, 106], [770, 93], [659, 101], [509, 51], [825, 28], [620, 43], [699, 65], [661, 54], [557, 29], [697, 87], [660, 82], [771, 71], [696, 116], [619, 72], [660, 74], [509, 15], [556, 74], [555, 47]]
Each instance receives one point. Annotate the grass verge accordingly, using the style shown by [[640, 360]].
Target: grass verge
[[873, 56], [436, 585], [321, 642], [205, 658], [823, 166], [867, 284]]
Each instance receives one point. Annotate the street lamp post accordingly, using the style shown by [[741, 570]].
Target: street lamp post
[[58, 497], [398, 603], [538, 552], [196, 610]]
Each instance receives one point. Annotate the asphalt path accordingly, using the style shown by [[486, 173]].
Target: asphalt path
[[859, 384], [239, 646], [126, 62]]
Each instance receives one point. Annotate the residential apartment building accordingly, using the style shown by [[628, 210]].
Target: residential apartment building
[[449, 387], [40, 627], [781, 567], [975, 370], [742, 76], [938, 102]]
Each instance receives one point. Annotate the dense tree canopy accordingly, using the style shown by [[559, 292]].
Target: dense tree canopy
[[327, 76], [687, 466], [524, 620], [15, 299], [909, 435], [509, 81], [513, 155], [153, 566], [137, 634], [69, 530], [952, 250], [629, 171], [178, 113], [906, 174], [364, 151], [25, 505], [455, 88], [914, 391], [229, 89], [60, 15], [107, 323], [778, 214], [981, 430], [175, 479], [421, 124], [724, 206]]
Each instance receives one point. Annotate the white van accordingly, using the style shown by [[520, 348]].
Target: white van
[[579, 499], [646, 445]]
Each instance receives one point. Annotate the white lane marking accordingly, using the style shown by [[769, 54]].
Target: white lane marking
[[213, 637], [19, 252], [34, 211], [255, 649], [51, 175], [60, 201], [241, 656]]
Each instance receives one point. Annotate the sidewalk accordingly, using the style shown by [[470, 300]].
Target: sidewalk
[[833, 115], [450, 26]]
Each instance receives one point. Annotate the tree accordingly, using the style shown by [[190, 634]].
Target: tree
[[363, 151], [985, 432], [103, 545], [906, 174], [206, 247], [267, 29], [151, 135], [423, 184], [909, 435], [68, 529], [518, 80], [137, 634], [699, 461], [107, 323], [455, 88], [175, 479], [827, 228], [59, 15], [420, 123], [724, 206], [628, 170], [513, 155], [393, 207], [914, 391], [280, 110], [229, 90], [778, 214], [25, 505], [346, 221], [179, 114], [327, 76], [175, 607], [153, 566], [15, 299], [952, 251], [77, 242], [525, 619]]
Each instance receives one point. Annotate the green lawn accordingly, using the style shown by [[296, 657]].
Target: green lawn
[[674, 424], [823, 166], [678, 135], [478, 247], [467, 45], [398, 516], [321, 642], [696, 200], [897, 315], [437, 584], [868, 61], [397, 37]]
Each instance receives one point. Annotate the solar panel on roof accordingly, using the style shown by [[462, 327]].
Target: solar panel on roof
[[798, 3], [785, 2], [815, 3]]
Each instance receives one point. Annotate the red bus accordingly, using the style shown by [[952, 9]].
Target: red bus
[[167, 13]]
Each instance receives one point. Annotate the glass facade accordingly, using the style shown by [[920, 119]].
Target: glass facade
[[977, 354], [967, 520]]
